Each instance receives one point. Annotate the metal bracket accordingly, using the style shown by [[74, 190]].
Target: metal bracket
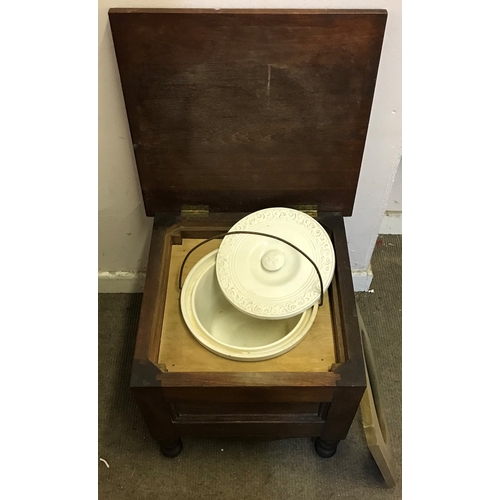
[[311, 210], [188, 211]]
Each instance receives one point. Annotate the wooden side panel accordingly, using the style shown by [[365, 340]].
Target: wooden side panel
[[351, 368], [186, 408], [153, 303], [156, 413], [210, 412], [242, 110], [248, 387]]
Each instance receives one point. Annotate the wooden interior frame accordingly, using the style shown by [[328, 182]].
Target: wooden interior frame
[[180, 351], [170, 229], [155, 387]]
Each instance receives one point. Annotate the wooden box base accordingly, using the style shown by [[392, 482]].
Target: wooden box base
[[185, 390]]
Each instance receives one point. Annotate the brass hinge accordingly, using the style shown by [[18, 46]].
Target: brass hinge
[[311, 210], [194, 211]]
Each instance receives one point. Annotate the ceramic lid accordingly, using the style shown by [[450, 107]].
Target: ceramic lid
[[267, 278]]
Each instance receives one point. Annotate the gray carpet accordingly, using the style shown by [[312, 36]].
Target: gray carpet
[[228, 469]]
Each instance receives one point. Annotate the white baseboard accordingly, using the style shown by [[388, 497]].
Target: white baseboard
[[121, 282], [362, 279], [133, 282], [392, 223]]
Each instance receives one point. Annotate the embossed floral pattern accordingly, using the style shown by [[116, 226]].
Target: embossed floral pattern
[[299, 300]]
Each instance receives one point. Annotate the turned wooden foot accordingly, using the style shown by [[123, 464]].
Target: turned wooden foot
[[171, 449], [325, 449]]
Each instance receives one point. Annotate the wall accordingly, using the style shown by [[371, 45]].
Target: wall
[[124, 230], [392, 222], [395, 200]]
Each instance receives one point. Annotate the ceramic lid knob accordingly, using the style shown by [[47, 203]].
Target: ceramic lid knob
[[267, 278], [273, 260]]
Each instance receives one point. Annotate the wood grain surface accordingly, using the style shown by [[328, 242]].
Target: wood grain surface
[[242, 110], [373, 415]]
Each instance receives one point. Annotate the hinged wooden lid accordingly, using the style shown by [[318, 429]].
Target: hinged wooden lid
[[243, 110]]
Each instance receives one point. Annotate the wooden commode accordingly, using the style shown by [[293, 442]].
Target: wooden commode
[[232, 111]]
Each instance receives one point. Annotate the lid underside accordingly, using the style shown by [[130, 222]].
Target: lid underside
[[240, 111]]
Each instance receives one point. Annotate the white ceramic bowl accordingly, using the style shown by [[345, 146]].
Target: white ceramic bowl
[[228, 332]]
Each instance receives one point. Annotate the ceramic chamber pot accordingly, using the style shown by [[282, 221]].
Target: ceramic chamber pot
[[229, 332]]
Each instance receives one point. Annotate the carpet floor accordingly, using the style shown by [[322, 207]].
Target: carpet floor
[[246, 470]]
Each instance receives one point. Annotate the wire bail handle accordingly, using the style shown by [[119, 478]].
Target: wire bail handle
[[230, 233]]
